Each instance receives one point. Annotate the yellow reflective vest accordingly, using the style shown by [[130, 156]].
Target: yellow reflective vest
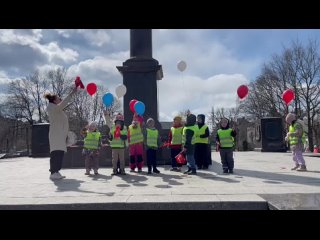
[[201, 131], [194, 128], [152, 137], [176, 135], [91, 141], [117, 142], [136, 135], [226, 140], [293, 139]]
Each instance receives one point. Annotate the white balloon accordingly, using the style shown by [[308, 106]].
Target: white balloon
[[121, 90], [182, 65]]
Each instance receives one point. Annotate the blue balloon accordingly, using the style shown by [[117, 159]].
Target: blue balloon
[[139, 107], [107, 99]]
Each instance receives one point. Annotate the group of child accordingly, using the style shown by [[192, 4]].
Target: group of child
[[191, 139]]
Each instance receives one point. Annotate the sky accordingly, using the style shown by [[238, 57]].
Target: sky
[[218, 61]]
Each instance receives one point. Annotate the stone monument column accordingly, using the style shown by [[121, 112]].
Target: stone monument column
[[140, 74]]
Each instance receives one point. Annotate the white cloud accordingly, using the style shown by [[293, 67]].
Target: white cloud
[[100, 70], [204, 56], [4, 79], [51, 50], [96, 37], [199, 95], [55, 53], [64, 32]]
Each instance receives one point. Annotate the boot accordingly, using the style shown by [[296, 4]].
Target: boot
[[149, 170], [296, 167], [115, 172], [122, 171], [155, 170]]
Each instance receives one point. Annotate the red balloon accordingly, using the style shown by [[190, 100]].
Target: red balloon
[[131, 105], [117, 133], [91, 88], [288, 96], [242, 91]]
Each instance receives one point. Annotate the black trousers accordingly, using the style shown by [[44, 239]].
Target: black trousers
[[56, 158], [201, 154], [152, 158]]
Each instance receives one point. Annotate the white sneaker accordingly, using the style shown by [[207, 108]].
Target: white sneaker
[[55, 176], [61, 176]]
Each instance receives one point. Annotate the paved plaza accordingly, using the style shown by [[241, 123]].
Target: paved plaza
[[260, 181]]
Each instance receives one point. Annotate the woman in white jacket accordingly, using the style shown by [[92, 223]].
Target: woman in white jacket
[[59, 127]]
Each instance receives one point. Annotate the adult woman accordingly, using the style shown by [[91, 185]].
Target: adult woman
[[59, 127]]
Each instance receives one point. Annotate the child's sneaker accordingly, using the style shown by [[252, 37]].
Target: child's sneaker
[[302, 168], [175, 169], [61, 176], [55, 176], [188, 171], [193, 172], [296, 167]]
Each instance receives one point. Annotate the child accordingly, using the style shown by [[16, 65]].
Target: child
[[135, 140], [201, 145], [296, 139], [152, 143], [225, 142], [189, 136], [118, 137], [175, 142], [92, 143]]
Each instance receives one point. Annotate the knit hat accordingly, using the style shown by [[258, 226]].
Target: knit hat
[[290, 118], [93, 124], [191, 120], [178, 118], [150, 121]]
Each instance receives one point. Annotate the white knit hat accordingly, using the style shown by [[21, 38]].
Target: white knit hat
[[93, 124], [290, 117]]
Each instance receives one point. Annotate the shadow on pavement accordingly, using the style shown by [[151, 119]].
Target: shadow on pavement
[[270, 176], [65, 185]]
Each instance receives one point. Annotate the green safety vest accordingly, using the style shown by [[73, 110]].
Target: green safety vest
[[117, 142], [152, 137], [293, 139], [201, 131], [91, 141], [226, 140], [176, 135], [194, 128], [135, 135]]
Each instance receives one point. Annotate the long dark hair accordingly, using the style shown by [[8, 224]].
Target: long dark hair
[[51, 97]]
